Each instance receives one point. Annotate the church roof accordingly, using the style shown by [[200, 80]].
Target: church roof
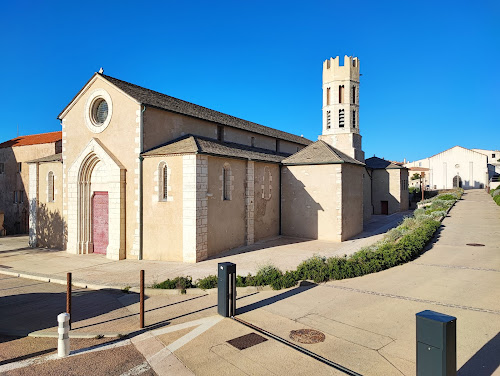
[[165, 102], [319, 153], [33, 139], [376, 163], [50, 158], [202, 145]]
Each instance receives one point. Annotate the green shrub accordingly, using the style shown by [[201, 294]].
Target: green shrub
[[313, 268], [267, 275], [209, 282], [497, 199], [181, 283], [447, 196], [495, 193]]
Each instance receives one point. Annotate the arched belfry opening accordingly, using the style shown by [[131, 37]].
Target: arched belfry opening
[[96, 203]]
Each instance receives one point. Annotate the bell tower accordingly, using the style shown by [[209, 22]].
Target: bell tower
[[341, 106]]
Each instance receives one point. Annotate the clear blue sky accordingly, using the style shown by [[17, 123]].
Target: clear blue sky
[[430, 68]]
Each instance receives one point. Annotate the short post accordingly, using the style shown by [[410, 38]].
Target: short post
[[226, 289], [68, 297], [141, 298], [63, 332], [436, 344]]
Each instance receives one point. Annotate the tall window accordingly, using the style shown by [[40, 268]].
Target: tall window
[[354, 94], [328, 120], [341, 118], [50, 187], [15, 197], [327, 96], [278, 146], [226, 182], [341, 93], [2, 168], [252, 141], [19, 167], [163, 181], [354, 118]]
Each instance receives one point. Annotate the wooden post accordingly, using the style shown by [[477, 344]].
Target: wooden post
[[68, 296], [141, 298]]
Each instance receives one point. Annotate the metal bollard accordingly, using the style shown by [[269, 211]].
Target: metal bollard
[[63, 331], [226, 289], [436, 344]]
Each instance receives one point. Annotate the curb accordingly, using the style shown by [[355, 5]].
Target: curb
[[147, 291], [43, 334]]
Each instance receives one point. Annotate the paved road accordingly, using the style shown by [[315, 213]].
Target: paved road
[[368, 322]]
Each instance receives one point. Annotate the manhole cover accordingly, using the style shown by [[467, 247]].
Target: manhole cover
[[246, 341], [307, 336], [475, 245]]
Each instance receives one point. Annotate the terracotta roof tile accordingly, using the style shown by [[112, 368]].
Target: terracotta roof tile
[[33, 139]]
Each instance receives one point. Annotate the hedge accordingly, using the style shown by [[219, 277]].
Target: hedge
[[400, 245]]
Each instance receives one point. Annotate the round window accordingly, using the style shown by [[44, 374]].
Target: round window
[[99, 112]]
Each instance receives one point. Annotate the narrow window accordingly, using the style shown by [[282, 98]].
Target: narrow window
[[492, 156], [354, 118], [341, 93], [15, 197], [165, 182], [328, 120], [21, 196], [252, 141], [341, 118], [327, 96], [226, 183], [354, 94], [50, 186], [19, 167], [220, 133], [278, 146], [2, 168]]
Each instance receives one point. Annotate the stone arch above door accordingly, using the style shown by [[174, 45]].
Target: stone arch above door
[[79, 201]]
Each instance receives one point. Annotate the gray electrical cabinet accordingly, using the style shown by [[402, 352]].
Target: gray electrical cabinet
[[436, 344], [226, 289]]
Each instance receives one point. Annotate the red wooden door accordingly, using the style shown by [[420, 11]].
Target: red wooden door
[[385, 207], [100, 229]]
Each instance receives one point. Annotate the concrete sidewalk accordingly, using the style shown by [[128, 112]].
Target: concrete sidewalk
[[95, 270]]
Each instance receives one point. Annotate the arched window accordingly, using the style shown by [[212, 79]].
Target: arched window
[[50, 186], [226, 182], [163, 181]]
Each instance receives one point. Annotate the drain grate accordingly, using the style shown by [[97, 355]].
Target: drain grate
[[307, 336], [475, 245], [246, 341]]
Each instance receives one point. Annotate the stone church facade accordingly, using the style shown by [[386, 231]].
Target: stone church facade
[[147, 176]]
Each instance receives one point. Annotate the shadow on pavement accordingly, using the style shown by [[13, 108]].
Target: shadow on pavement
[[485, 361], [287, 294], [25, 313]]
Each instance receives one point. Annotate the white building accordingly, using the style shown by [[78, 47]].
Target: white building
[[457, 167]]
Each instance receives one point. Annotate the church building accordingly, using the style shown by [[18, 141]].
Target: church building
[[143, 175]]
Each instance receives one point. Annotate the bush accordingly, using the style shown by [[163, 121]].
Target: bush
[[181, 283], [496, 192], [399, 245], [209, 282], [497, 199]]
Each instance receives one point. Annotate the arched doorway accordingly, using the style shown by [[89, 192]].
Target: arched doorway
[[95, 170], [457, 181]]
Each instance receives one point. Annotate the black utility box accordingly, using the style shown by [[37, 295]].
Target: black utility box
[[226, 289], [436, 344]]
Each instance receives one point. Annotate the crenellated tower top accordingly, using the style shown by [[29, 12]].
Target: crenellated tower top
[[332, 70]]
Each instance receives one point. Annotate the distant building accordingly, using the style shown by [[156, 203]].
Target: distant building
[[14, 177], [458, 167]]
